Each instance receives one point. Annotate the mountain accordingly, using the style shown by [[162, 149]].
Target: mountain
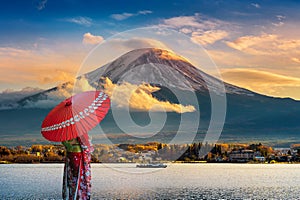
[[161, 67], [249, 116]]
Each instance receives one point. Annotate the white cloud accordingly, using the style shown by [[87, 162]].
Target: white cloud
[[88, 38], [125, 15], [41, 4], [183, 21], [208, 37], [280, 22], [84, 21], [256, 5], [10, 95], [196, 22], [280, 17], [144, 12], [203, 30], [185, 30], [122, 16]]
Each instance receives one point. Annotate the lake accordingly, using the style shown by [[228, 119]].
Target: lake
[[177, 181]]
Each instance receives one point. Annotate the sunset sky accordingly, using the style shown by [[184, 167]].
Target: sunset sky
[[255, 44]]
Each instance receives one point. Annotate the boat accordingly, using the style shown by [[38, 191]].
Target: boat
[[151, 165]]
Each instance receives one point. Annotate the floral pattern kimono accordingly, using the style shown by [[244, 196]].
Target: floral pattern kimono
[[77, 174]]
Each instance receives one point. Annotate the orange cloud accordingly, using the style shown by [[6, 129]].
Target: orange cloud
[[256, 45], [88, 38], [38, 67], [264, 82], [59, 76], [265, 44], [139, 97], [208, 37]]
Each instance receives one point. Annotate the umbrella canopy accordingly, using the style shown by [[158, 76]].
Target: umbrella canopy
[[75, 116]]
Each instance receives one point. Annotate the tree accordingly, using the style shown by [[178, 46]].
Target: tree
[[36, 148], [4, 151]]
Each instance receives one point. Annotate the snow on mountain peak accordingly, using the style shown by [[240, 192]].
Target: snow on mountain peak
[[168, 55], [160, 67]]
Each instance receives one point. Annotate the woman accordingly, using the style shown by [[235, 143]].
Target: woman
[[77, 170]]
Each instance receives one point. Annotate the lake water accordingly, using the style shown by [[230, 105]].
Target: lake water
[[177, 181]]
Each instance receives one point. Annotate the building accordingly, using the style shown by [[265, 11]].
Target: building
[[295, 149], [282, 151], [241, 155], [260, 158]]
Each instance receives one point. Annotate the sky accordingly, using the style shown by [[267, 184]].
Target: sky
[[255, 44]]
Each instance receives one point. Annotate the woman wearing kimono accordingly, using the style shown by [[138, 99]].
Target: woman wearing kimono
[[69, 123], [77, 170]]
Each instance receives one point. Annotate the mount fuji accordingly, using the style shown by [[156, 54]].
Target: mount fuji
[[249, 116]]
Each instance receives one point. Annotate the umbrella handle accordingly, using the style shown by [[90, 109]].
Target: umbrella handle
[[68, 102]]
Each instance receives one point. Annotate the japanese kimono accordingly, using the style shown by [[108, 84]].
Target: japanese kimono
[[77, 170]]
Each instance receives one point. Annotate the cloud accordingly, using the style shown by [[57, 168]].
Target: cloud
[[69, 87], [256, 5], [88, 38], [289, 44], [9, 97], [39, 66], [266, 44], [185, 30], [280, 19], [126, 15], [208, 37], [189, 21], [246, 43], [195, 22], [263, 82], [264, 51], [82, 84], [278, 24], [203, 30], [297, 60], [122, 16], [84, 21], [139, 97], [59, 76], [14, 52], [41, 4], [145, 12], [63, 91]]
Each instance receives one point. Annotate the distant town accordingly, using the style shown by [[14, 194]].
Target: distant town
[[157, 152]]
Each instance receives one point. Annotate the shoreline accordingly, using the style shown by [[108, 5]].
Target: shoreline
[[158, 153], [176, 162]]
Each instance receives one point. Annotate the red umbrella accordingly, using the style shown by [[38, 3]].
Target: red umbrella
[[75, 116]]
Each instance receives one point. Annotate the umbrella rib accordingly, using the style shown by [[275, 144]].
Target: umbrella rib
[[64, 114], [76, 112]]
